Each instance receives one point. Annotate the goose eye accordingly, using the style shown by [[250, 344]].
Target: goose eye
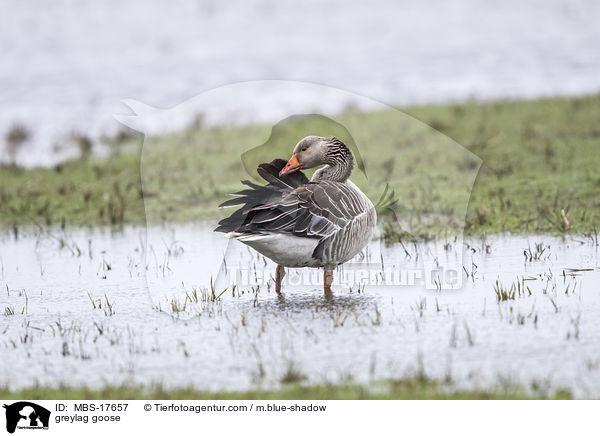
[[304, 149]]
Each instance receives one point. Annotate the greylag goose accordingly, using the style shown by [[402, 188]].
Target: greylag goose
[[296, 222]]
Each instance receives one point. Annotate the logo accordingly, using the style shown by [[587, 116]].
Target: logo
[[26, 415]]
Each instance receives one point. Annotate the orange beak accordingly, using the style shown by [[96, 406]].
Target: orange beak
[[291, 166]]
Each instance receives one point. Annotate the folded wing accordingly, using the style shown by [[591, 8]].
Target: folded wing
[[291, 204]]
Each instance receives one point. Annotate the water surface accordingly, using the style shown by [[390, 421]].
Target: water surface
[[63, 332]]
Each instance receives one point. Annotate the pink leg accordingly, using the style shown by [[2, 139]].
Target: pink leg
[[327, 281], [279, 275]]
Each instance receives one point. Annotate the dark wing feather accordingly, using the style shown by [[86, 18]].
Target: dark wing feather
[[270, 172], [292, 205], [261, 204]]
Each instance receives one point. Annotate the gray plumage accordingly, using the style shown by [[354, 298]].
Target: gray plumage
[[295, 222]]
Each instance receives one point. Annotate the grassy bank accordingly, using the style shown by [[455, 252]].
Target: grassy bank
[[409, 389], [539, 170]]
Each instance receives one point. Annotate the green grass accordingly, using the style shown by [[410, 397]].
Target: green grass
[[406, 389], [539, 172]]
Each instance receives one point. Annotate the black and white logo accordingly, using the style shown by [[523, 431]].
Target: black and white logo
[[26, 415]]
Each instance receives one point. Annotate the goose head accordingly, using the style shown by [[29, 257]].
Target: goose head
[[314, 151]]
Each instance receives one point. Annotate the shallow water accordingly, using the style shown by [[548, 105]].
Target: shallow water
[[149, 333], [67, 69]]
